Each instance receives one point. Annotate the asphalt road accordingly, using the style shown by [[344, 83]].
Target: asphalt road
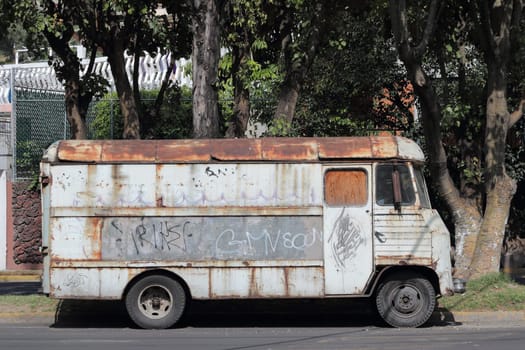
[[236, 325], [20, 288], [43, 337]]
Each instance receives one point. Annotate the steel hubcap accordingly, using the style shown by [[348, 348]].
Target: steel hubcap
[[406, 299], [155, 302]]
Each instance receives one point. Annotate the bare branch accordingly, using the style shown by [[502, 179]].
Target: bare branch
[[399, 21], [517, 9], [433, 15], [517, 114], [486, 26]]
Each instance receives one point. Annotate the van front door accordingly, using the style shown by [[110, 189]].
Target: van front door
[[347, 227]]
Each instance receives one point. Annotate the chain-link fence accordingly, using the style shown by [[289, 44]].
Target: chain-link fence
[[40, 119]]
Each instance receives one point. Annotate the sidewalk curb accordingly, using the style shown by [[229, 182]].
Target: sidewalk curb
[[479, 318], [20, 275]]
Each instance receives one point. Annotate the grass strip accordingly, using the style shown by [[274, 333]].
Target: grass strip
[[493, 292]]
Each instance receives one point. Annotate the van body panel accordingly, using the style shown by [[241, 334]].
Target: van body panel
[[265, 218], [348, 242]]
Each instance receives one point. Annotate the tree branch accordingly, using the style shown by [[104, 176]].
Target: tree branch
[[486, 27], [433, 15], [517, 9], [517, 114], [399, 22]]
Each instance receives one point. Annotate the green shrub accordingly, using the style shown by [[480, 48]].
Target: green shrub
[[174, 120]]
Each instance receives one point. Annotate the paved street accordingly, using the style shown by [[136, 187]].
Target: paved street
[[235, 325], [20, 288], [42, 337]]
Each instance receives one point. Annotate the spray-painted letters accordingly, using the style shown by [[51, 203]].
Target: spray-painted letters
[[212, 238]]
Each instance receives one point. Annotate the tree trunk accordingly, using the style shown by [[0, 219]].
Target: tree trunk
[[295, 70], [75, 117], [241, 94], [69, 71], [500, 25], [500, 188], [127, 101], [466, 217], [287, 100], [205, 63]]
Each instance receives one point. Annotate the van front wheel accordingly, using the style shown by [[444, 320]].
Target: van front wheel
[[406, 300], [156, 302]]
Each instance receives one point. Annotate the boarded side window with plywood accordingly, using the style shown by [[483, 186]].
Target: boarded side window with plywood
[[346, 187]]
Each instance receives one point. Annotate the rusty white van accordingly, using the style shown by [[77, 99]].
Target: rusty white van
[[159, 223]]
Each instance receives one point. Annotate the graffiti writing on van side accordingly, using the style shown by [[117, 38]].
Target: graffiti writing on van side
[[75, 280], [265, 242], [158, 235], [345, 238]]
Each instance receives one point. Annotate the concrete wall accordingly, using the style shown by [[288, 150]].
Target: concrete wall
[[3, 219]]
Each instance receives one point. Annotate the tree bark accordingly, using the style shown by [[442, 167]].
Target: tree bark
[[295, 70], [127, 101], [69, 71], [75, 118], [498, 22], [466, 217], [241, 94], [205, 63], [288, 97]]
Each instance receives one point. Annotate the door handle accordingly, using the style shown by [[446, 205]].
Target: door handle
[[380, 237]]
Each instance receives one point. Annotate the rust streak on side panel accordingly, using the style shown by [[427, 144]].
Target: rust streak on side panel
[[287, 282], [210, 284], [289, 149], [129, 150], [403, 260], [254, 287], [93, 233], [159, 194]]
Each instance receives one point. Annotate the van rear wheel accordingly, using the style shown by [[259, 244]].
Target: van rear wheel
[[156, 302], [406, 300]]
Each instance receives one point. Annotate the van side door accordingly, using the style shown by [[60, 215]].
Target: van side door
[[347, 227]]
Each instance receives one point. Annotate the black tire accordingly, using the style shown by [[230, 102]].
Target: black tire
[[406, 300], [156, 302]]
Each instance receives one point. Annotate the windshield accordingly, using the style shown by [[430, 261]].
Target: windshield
[[422, 188], [385, 189]]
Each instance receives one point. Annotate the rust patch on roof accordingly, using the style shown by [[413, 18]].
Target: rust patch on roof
[[129, 150], [204, 150], [236, 149], [289, 149], [343, 147], [358, 147], [384, 147], [80, 151], [183, 150]]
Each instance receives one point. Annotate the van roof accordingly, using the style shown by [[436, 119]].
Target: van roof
[[261, 149]]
